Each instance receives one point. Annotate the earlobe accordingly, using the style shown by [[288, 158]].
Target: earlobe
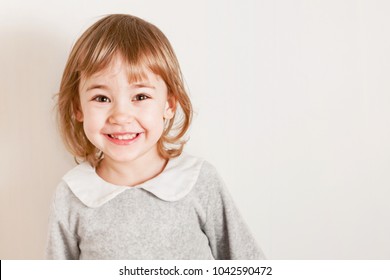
[[79, 116], [169, 109], [77, 112], [168, 114]]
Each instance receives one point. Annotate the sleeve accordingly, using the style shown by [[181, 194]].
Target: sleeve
[[62, 244], [229, 236]]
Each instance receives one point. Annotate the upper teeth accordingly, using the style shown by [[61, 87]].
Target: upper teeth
[[124, 136]]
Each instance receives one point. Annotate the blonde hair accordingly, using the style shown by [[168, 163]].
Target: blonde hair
[[140, 44]]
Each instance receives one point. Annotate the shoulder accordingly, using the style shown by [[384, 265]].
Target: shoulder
[[63, 194], [208, 173], [64, 199], [210, 178], [210, 186]]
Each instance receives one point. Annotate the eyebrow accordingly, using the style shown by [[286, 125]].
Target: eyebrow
[[134, 85], [96, 86], [143, 84]]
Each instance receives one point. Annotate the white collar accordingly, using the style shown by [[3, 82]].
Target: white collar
[[174, 183]]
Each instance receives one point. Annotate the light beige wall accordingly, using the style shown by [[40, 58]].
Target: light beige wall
[[292, 106], [32, 157]]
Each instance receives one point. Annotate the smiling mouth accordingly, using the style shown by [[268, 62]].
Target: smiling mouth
[[127, 136]]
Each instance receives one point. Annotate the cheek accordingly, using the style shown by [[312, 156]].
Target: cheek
[[153, 119], [92, 121]]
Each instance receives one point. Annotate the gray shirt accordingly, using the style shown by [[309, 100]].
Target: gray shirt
[[183, 213]]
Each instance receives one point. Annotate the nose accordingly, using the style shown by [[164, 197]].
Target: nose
[[121, 114]]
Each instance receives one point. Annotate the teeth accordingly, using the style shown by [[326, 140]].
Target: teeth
[[124, 136]]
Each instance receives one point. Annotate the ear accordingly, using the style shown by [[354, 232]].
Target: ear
[[78, 113], [170, 108], [79, 116]]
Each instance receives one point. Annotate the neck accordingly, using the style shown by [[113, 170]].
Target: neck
[[130, 173]]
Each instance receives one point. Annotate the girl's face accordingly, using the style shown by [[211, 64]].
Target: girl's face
[[124, 120]]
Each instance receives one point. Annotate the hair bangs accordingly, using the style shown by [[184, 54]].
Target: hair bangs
[[136, 44]]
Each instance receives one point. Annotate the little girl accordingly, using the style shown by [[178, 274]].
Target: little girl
[[123, 112]]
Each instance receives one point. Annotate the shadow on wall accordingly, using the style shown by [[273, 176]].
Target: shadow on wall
[[32, 156]]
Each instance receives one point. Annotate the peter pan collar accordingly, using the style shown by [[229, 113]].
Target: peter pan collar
[[174, 183]]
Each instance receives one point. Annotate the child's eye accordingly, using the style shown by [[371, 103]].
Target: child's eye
[[102, 99], [140, 97]]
